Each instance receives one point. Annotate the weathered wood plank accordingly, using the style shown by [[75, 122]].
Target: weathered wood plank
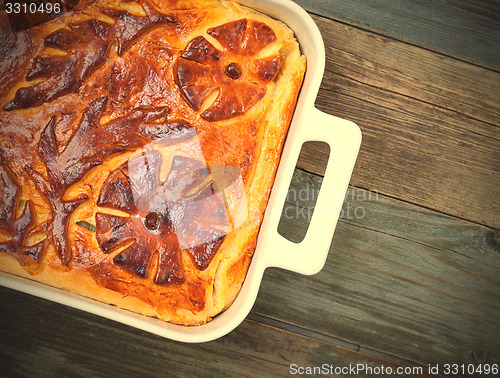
[[40, 338], [467, 30], [401, 279], [430, 145], [376, 61]]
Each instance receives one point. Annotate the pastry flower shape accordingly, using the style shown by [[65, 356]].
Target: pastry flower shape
[[184, 212], [237, 72]]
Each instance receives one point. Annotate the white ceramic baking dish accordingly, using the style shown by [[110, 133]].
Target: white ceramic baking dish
[[307, 257]]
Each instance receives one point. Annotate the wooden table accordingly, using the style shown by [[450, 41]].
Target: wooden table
[[413, 274]]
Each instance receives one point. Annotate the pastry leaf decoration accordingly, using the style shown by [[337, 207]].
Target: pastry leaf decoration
[[129, 27], [17, 228], [91, 143], [86, 46]]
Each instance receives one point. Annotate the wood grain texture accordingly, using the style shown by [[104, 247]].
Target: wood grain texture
[[465, 30], [40, 338], [425, 140], [401, 279], [404, 283]]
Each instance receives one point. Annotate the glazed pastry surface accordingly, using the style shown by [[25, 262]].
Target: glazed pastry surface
[[138, 145]]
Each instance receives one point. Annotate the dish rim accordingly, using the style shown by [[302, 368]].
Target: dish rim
[[311, 44]]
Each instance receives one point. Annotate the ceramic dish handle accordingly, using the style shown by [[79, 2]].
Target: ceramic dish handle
[[344, 139]]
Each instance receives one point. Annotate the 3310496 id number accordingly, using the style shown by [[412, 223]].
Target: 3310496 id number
[[462, 369], [32, 8]]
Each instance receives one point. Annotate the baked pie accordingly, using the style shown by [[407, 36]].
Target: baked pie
[[138, 145]]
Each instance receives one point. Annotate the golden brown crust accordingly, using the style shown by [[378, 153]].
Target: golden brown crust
[[138, 145]]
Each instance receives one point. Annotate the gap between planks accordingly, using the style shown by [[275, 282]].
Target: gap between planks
[[464, 30], [302, 331], [437, 271]]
